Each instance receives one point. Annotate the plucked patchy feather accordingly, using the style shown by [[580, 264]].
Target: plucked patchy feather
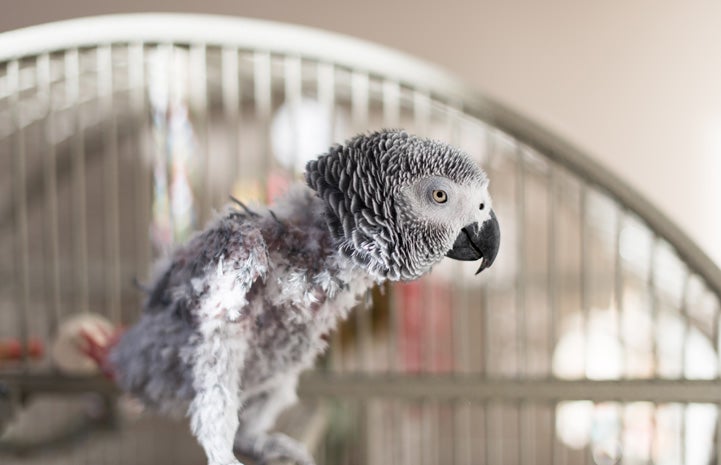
[[236, 313]]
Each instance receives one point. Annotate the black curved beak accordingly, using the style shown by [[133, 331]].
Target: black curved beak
[[478, 243]]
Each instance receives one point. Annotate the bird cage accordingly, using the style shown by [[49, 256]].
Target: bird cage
[[594, 339]]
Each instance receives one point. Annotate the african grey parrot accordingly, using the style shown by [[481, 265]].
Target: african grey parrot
[[236, 313]]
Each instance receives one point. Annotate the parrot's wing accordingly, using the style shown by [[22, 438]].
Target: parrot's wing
[[220, 263], [208, 281]]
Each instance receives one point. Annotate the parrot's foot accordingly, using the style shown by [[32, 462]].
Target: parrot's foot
[[267, 449]]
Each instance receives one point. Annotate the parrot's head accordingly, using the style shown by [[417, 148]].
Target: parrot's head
[[397, 204]]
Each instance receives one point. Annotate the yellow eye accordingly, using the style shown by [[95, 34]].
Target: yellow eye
[[440, 196]]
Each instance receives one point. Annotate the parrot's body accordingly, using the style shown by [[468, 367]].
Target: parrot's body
[[239, 311], [271, 322]]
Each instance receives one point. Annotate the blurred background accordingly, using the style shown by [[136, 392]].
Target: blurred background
[[635, 84], [594, 339]]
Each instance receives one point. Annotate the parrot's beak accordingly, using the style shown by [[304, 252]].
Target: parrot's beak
[[476, 242]]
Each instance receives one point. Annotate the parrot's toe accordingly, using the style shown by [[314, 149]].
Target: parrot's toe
[[276, 449]]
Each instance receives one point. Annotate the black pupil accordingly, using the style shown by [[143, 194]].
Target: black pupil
[[440, 196], [483, 205]]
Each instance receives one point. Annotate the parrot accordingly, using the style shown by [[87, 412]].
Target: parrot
[[236, 313]]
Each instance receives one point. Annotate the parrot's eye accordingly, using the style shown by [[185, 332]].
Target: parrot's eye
[[440, 196], [482, 206]]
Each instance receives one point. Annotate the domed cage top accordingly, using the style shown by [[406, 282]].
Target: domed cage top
[[594, 338]]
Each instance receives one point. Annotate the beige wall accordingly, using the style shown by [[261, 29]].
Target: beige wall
[[636, 83]]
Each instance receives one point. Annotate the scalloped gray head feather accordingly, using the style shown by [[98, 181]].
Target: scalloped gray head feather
[[379, 190]]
